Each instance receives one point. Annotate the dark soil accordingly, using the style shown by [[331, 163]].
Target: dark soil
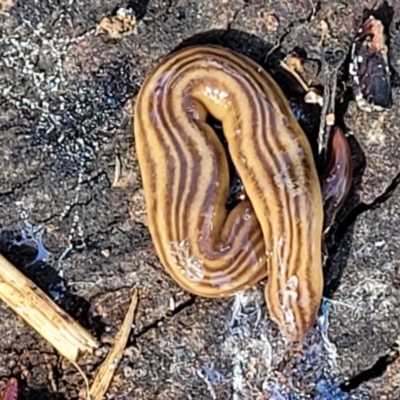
[[66, 125]]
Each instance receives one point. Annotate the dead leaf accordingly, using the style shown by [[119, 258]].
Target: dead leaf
[[118, 26]]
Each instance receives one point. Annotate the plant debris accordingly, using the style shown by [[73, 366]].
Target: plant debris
[[11, 390], [118, 26], [106, 371], [369, 67], [50, 321]]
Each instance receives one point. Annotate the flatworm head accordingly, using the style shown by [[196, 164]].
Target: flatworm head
[[369, 67]]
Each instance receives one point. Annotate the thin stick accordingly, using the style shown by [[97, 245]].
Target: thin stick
[[107, 370], [117, 174], [331, 63], [44, 316]]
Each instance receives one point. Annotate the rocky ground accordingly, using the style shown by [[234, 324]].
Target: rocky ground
[[73, 218]]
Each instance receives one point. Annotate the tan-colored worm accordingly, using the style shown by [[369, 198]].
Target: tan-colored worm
[[276, 231]]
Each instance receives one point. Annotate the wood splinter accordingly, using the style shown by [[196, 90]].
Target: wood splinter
[[106, 371], [69, 338]]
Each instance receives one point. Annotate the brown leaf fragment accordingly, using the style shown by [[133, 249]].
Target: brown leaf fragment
[[118, 26]]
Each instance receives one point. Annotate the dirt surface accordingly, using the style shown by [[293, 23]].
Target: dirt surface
[[73, 217]]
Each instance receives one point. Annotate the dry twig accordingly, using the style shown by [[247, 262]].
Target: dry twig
[[44, 316], [106, 371]]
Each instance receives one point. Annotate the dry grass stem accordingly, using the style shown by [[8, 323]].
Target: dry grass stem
[[106, 371], [44, 316]]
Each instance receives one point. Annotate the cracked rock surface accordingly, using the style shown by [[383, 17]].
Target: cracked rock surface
[[73, 218]]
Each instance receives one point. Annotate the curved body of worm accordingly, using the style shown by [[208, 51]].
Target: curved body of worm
[[276, 231], [11, 390]]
